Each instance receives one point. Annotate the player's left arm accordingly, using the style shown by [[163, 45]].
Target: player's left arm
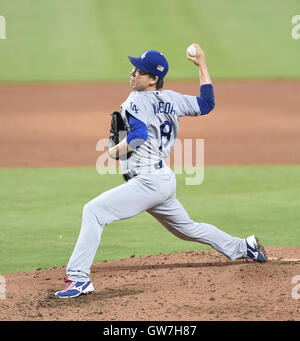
[[136, 137], [206, 99], [120, 149]]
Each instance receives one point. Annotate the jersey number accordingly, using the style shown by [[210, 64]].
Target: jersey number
[[134, 107], [165, 131]]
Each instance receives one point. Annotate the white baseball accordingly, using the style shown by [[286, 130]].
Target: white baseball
[[192, 51]]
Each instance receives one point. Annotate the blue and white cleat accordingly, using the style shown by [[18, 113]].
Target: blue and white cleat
[[74, 289], [255, 251]]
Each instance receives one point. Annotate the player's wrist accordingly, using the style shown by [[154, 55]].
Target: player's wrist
[[202, 63], [113, 152]]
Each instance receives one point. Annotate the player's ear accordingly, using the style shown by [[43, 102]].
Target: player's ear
[[154, 81]]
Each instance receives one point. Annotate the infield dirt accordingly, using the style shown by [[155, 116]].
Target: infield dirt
[[59, 125], [189, 286]]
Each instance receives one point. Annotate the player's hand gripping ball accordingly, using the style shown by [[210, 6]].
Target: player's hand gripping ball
[[191, 51]]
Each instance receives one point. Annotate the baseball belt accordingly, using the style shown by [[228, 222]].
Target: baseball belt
[[132, 172]]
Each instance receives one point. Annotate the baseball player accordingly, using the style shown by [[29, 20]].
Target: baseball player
[[151, 115]]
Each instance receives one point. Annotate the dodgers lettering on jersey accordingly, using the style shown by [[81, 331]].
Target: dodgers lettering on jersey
[[160, 111]]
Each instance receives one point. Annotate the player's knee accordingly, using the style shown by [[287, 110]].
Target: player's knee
[[93, 209], [87, 207], [86, 211]]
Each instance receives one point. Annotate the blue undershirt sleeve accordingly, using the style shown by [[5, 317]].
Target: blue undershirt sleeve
[[206, 100], [138, 132]]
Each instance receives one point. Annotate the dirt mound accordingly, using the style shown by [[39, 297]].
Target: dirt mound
[[188, 286]]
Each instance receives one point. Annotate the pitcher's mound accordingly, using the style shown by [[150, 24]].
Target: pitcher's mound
[[187, 286]]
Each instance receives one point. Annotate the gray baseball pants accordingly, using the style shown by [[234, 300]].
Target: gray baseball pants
[[154, 192]]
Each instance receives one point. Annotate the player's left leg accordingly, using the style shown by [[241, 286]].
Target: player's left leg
[[174, 217], [121, 202]]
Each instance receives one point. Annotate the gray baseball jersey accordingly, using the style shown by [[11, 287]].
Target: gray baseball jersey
[[151, 191], [160, 111]]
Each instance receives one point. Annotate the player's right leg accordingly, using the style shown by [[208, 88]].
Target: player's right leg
[[174, 217]]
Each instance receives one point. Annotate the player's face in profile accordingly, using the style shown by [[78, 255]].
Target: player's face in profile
[[141, 81]]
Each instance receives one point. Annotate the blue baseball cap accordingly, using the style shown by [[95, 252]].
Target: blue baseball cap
[[151, 61]]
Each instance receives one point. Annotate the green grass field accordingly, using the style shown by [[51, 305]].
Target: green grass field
[[76, 40], [41, 212]]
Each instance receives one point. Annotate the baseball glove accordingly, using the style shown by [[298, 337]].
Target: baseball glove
[[118, 131]]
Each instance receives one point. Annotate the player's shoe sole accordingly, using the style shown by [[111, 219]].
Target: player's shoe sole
[[75, 289], [255, 250]]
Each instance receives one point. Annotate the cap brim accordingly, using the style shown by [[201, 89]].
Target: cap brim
[[135, 61]]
